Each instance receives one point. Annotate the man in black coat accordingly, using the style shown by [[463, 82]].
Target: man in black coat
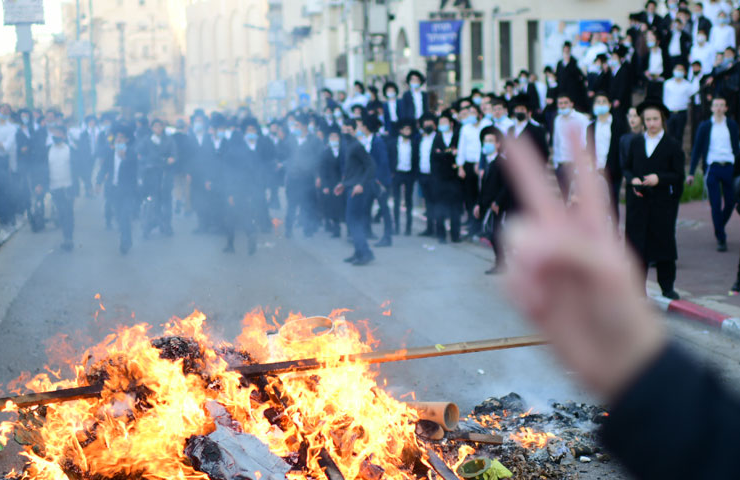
[[158, 159], [654, 171], [300, 182], [119, 173], [415, 102], [494, 198], [446, 183], [202, 168], [620, 86], [392, 108], [570, 78], [403, 157], [602, 141], [86, 154], [525, 127], [330, 174], [676, 44], [28, 199]]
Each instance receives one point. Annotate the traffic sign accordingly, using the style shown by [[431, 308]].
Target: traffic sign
[[23, 11], [79, 49]]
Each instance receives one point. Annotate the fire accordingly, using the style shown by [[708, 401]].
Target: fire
[[151, 405], [528, 438], [463, 453]]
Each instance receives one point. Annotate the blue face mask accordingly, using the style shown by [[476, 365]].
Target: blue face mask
[[444, 128], [334, 144], [120, 147], [601, 110], [4, 117], [360, 134], [489, 148], [678, 73], [57, 139], [198, 127], [251, 137], [470, 120], [488, 116], [221, 134], [564, 111], [477, 100]]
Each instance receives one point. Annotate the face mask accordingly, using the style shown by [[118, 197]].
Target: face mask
[[679, 73], [489, 148], [25, 120], [415, 85], [156, 140], [520, 116], [227, 134], [391, 94], [338, 114], [724, 21], [120, 147], [57, 139], [651, 44], [3, 116], [334, 144], [477, 100], [627, 43], [198, 127], [429, 129], [444, 128], [523, 81], [470, 120], [360, 134], [701, 39], [564, 111], [251, 137], [601, 110], [488, 116], [221, 134], [312, 128], [613, 64], [552, 82]]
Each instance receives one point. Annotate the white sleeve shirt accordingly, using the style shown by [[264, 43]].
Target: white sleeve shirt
[[418, 103], [602, 138], [468, 147], [655, 62], [60, 167], [721, 37], [561, 147], [425, 153], [704, 54], [677, 94], [720, 147], [404, 155]]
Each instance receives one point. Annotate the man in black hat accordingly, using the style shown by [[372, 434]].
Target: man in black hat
[[158, 160], [25, 161], [202, 169], [86, 154], [330, 175], [654, 171], [525, 127], [119, 173], [367, 134], [570, 78], [677, 93], [392, 108], [415, 102], [620, 87], [446, 183]]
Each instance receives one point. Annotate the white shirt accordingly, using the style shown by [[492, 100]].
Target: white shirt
[[711, 11], [655, 62], [425, 153], [651, 143], [468, 147], [117, 160], [720, 148], [519, 128], [418, 103], [7, 140], [60, 167], [561, 144], [602, 138], [674, 46], [504, 124], [721, 37], [392, 110], [704, 54], [404, 155], [677, 94], [447, 137]]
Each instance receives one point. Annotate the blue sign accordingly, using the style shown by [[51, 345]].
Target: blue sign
[[588, 28], [439, 38]]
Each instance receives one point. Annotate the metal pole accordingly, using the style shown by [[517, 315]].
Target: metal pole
[[29, 82], [93, 81], [80, 98], [365, 40]]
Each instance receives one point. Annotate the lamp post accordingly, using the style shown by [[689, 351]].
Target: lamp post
[[93, 81], [80, 98]]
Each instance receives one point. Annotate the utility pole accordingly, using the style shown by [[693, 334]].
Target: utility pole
[[25, 45], [93, 82], [365, 39], [80, 98]]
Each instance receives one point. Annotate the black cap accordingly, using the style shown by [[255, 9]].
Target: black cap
[[426, 117], [250, 122], [388, 85], [416, 73], [490, 130], [520, 100], [125, 129], [655, 103]]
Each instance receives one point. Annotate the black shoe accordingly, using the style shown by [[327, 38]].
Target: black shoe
[[443, 240], [426, 233], [672, 295], [124, 249], [229, 249], [495, 270], [735, 287], [252, 242], [384, 242], [408, 231], [364, 260], [351, 259], [456, 240], [722, 246]]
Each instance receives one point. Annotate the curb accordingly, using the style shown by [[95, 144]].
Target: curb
[[6, 235], [727, 324]]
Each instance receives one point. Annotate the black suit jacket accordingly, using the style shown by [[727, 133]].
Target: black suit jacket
[[393, 154], [619, 128], [391, 126], [572, 81], [684, 41], [620, 87], [494, 188], [127, 175], [538, 136], [443, 163], [408, 108]]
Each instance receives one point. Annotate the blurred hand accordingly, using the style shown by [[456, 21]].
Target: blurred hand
[[208, 186], [571, 276], [339, 189], [170, 160], [690, 180], [476, 211], [326, 191], [357, 190], [189, 178], [231, 200], [461, 172], [38, 189], [650, 180], [495, 208]]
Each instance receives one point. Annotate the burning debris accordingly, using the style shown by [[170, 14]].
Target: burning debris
[[175, 406]]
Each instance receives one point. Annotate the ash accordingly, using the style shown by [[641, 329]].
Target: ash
[[573, 425]]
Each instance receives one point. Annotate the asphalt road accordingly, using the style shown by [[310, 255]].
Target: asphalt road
[[437, 294]]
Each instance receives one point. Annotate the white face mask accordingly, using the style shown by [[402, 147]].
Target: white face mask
[[156, 140]]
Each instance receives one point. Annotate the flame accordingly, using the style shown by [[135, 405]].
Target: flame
[[462, 453], [529, 439], [151, 405]]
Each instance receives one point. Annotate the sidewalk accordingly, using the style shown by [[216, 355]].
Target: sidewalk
[[704, 276]]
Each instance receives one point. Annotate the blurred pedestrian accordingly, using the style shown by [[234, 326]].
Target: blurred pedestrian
[[61, 182]]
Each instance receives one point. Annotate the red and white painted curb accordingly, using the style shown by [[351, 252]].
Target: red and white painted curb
[[727, 324]]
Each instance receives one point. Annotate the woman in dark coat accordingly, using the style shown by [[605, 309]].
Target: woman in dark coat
[[654, 168]]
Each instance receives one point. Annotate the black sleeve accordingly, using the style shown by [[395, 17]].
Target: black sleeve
[[676, 421]]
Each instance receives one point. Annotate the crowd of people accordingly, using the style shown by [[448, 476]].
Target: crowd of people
[[349, 155]]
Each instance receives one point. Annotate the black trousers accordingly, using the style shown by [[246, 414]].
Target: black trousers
[[677, 125], [123, 205], [381, 194], [564, 176], [301, 195], [406, 181], [240, 216], [430, 201], [448, 206], [470, 188], [666, 270], [496, 238], [64, 202]]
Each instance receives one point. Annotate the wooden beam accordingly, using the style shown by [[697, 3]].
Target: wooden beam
[[477, 438], [440, 466], [392, 355], [45, 398]]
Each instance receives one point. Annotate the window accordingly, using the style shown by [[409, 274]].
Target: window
[[505, 47], [476, 49], [534, 44]]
